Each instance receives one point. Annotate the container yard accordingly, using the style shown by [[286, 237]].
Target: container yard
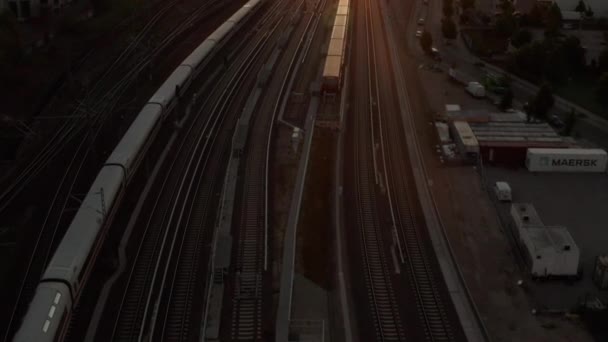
[[550, 201]]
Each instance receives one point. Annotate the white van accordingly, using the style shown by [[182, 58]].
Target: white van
[[503, 191]]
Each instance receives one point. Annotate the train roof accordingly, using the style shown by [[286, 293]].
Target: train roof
[[43, 320], [335, 47], [221, 31], [129, 147], [166, 92], [199, 54], [339, 32], [70, 257], [239, 15], [340, 20], [332, 66]]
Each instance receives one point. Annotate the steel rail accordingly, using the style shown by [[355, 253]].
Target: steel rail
[[108, 102], [64, 134], [235, 78], [387, 320], [430, 304]]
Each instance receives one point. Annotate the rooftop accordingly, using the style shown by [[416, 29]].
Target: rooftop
[[568, 151], [525, 213], [555, 237]]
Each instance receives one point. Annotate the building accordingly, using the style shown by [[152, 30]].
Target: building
[[507, 143], [524, 216], [25, 9], [548, 250]]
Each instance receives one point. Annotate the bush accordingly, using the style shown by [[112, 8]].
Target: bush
[[521, 38], [448, 28], [426, 41]]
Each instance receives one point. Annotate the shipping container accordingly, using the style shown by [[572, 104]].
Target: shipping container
[[600, 274], [465, 139], [566, 160]]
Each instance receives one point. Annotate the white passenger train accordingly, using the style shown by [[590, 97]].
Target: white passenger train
[[68, 270]]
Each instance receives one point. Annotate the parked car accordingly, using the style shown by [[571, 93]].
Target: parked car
[[476, 89], [418, 34], [421, 21], [435, 54]]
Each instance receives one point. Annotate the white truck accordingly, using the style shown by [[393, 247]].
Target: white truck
[[457, 76], [476, 89], [566, 160], [503, 191]]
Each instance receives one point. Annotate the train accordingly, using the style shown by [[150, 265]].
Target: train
[[67, 272], [336, 50]]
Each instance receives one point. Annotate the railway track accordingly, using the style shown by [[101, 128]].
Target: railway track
[[73, 123], [103, 101], [382, 304], [184, 226], [422, 272], [250, 271]]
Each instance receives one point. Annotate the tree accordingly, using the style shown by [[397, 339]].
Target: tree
[[535, 16], [569, 123], [580, 7], [467, 4], [506, 25], [553, 19], [602, 89], [574, 53], [507, 99], [426, 41], [543, 101], [521, 37], [602, 62], [448, 9], [448, 28], [506, 7]]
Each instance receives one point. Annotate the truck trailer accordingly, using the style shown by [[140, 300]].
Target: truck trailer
[[566, 160]]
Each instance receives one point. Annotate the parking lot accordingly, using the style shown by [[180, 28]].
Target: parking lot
[[576, 201]]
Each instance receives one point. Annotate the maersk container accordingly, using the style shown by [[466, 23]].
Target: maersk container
[[566, 160]]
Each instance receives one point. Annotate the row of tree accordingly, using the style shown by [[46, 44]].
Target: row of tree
[[448, 26]]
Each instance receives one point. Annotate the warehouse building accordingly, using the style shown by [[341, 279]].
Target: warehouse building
[[507, 143], [524, 216], [501, 141], [548, 250]]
